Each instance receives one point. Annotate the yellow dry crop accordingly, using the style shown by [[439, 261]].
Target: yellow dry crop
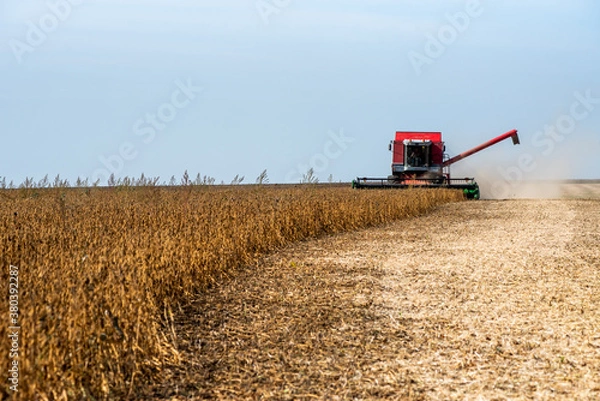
[[101, 270]]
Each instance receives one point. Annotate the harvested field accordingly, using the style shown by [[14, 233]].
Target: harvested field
[[488, 300], [587, 189]]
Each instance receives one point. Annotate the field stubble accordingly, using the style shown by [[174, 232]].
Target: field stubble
[[490, 300]]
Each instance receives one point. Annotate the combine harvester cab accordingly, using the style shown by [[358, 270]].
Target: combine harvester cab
[[418, 160]]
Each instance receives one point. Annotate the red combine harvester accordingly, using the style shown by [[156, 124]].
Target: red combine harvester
[[418, 160]]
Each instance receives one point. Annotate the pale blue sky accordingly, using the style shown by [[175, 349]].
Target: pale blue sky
[[276, 88]]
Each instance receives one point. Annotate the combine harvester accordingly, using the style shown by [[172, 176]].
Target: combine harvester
[[418, 160]]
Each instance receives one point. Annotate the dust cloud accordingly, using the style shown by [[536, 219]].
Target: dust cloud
[[543, 178]]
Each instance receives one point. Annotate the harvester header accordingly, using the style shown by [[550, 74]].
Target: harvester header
[[419, 160]]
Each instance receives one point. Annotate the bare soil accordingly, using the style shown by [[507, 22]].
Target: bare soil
[[487, 300]]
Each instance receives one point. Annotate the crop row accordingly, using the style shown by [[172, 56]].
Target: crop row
[[102, 271]]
